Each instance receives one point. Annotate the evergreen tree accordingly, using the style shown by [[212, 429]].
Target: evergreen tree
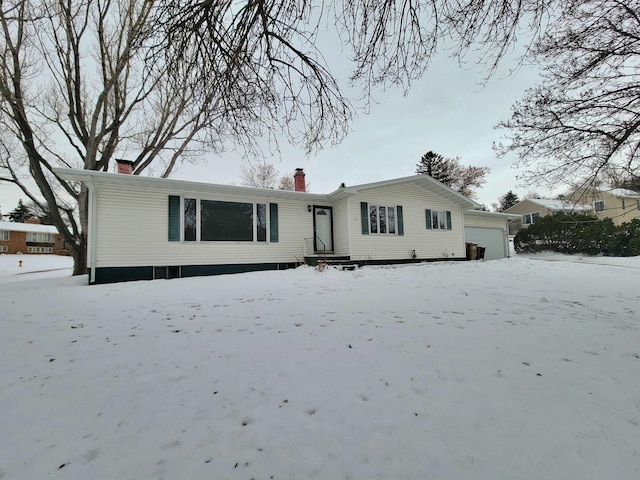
[[507, 200], [452, 173], [21, 213], [436, 166]]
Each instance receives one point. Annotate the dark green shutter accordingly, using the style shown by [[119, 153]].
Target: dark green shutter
[[427, 217], [174, 218], [364, 217], [400, 221], [448, 220], [273, 222]]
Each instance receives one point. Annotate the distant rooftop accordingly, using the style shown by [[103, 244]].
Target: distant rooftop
[[561, 205], [27, 227], [623, 193]]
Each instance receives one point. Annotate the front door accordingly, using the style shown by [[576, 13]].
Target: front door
[[323, 226]]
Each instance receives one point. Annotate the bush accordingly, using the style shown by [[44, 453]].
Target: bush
[[566, 233]]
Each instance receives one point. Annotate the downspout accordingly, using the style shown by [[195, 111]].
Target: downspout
[[91, 221], [349, 226]]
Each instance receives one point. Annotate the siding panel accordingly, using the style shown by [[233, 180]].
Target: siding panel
[[428, 244], [132, 231]]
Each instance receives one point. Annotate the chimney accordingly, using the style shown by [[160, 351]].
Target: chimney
[[124, 166], [298, 180]]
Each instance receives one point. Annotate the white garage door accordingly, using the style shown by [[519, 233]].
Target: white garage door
[[493, 239]]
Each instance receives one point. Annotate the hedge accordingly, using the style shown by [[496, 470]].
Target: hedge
[[566, 233]]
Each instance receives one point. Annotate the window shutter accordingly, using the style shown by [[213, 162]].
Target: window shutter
[[427, 217], [400, 220], [448, 213], [174, 218], [364, 217], [273, 222]]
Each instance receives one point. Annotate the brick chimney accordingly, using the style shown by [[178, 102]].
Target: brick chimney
[[124, 166], [298, 180]]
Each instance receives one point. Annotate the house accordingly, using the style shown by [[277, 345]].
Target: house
[[530, 209], [618, 204], [31, 237], [146, 228]]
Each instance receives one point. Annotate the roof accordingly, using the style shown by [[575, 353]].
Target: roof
[[482, 213], [91, 177], [623, 193], [27, 227], [558, 205]]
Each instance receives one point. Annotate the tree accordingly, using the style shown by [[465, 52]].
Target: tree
[[286, 183], [507, 200], [261, 175], [21, 213], [436, 166], [450, 172], [265, 175], [79, 85], [584, 117]]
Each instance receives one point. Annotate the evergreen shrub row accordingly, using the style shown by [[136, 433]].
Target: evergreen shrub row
[[567, 233]]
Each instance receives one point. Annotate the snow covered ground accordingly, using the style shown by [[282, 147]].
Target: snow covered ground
[[524, 368]]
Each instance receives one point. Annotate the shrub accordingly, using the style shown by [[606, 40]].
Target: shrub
[[567, 233]]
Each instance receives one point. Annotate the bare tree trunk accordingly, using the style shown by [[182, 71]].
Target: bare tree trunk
[[79, 253]]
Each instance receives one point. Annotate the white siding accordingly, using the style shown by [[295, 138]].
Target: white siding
[[428, 244], [340, 228], [471, 220], [132, 230]]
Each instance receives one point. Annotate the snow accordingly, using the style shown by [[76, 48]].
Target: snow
[[561, 205], [520, 368], [27, 227]]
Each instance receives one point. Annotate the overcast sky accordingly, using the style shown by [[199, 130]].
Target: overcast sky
[[447, 111]]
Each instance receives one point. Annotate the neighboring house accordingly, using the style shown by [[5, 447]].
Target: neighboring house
[[618, 204], [530, 209], [30, 237], [146, 228]]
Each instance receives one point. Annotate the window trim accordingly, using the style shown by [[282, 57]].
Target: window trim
[[7, 233], [3, 249], [595, 208]]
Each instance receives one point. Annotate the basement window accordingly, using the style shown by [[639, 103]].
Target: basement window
[[166, 272]]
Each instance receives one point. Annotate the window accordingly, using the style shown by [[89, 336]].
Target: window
[[39, 237], [39, 249], [623, 205], [529, 218], [438, 219], [4, 234], [382, 219], [226, 221], [3, 248], [638, 204], [261, 222], [213, 220], [599, 206], [189, 219]]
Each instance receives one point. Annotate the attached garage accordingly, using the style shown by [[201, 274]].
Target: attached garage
[[488, 230]]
